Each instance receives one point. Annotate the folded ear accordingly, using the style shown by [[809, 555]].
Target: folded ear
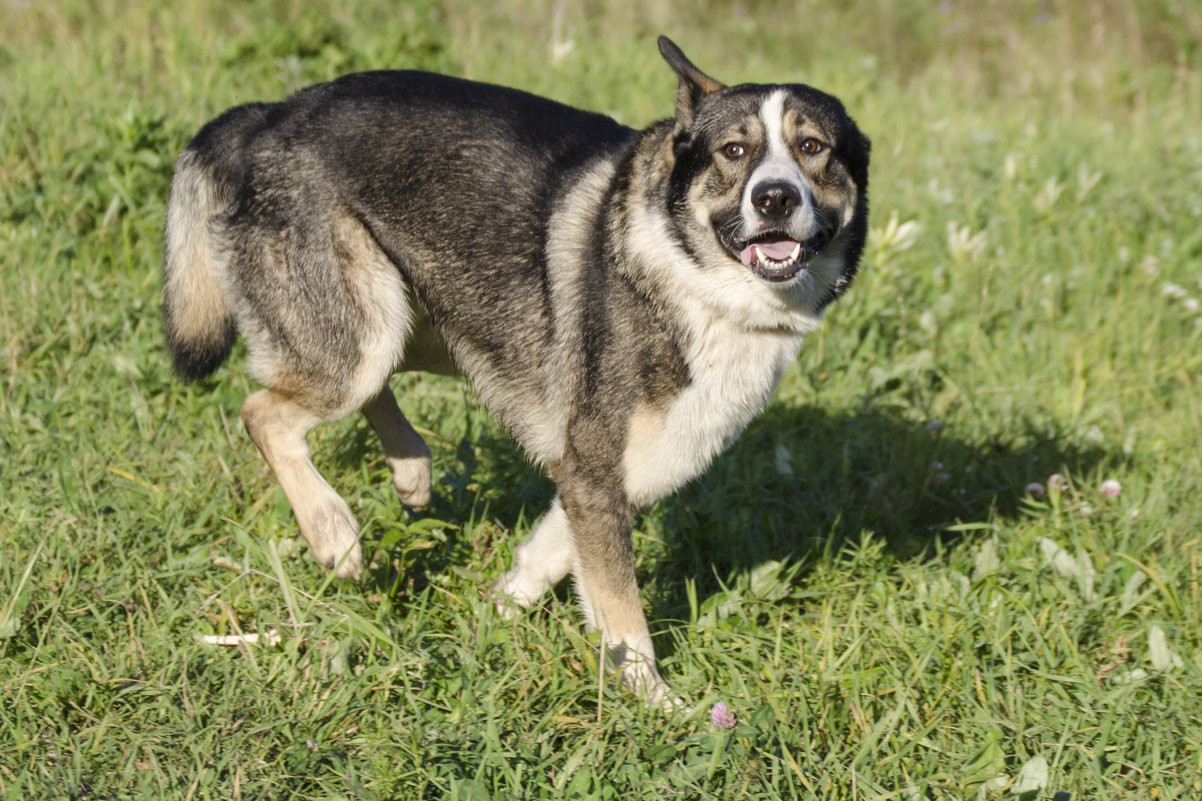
[[694, 84]]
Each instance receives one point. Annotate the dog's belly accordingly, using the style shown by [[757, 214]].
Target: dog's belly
[[733, 374]]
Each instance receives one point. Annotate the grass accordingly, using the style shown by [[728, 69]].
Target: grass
[[861, 578]]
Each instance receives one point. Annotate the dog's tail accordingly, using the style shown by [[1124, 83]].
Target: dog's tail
[[199, 318]]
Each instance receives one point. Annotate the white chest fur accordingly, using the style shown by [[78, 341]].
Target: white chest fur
[[733, 372]]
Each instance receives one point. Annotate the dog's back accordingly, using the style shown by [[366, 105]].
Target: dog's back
[[442, 174]]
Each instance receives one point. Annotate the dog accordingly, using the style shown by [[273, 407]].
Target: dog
[[623, 301]]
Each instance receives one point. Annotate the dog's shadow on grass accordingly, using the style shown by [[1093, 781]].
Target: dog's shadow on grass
[[803, 480], [800, 481]]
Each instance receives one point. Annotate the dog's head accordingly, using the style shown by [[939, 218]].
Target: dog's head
[[768, 180]]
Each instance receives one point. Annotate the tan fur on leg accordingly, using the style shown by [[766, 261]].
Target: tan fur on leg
[[278, 426]]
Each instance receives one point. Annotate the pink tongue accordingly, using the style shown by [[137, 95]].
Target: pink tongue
[[778, 251]]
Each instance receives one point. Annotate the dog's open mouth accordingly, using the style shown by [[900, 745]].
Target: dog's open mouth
[[779, 259]]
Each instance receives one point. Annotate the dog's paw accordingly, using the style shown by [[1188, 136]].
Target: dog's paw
[[513, 594], [350, 565], [641, 678], [333, 535], [411, 479], [665, 699]]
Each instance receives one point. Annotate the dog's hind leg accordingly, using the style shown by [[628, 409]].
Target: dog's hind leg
[[406, 452], [278, 426], [540, 563], [326, 316]]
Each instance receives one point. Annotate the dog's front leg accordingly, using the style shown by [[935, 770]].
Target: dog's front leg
[[539, 563], [603, 564]]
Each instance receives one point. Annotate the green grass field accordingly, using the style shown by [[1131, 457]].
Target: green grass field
[[862, 578]]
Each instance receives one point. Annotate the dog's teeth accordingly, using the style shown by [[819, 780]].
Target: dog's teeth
[[796, 252], [759, 254]]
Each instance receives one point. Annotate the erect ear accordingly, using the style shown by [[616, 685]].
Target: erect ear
[[694, 84]]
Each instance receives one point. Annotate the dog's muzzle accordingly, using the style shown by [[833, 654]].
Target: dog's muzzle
[[775, 252]]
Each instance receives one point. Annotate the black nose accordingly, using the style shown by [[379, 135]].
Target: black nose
[[775, 200]]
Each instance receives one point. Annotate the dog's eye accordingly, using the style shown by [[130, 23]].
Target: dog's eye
[[734, 151], [811, 146]]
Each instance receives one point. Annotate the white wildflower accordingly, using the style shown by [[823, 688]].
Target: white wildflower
[[1047, 197], [964, 244], [1010, 166], [1086, 181], [896, 235]]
